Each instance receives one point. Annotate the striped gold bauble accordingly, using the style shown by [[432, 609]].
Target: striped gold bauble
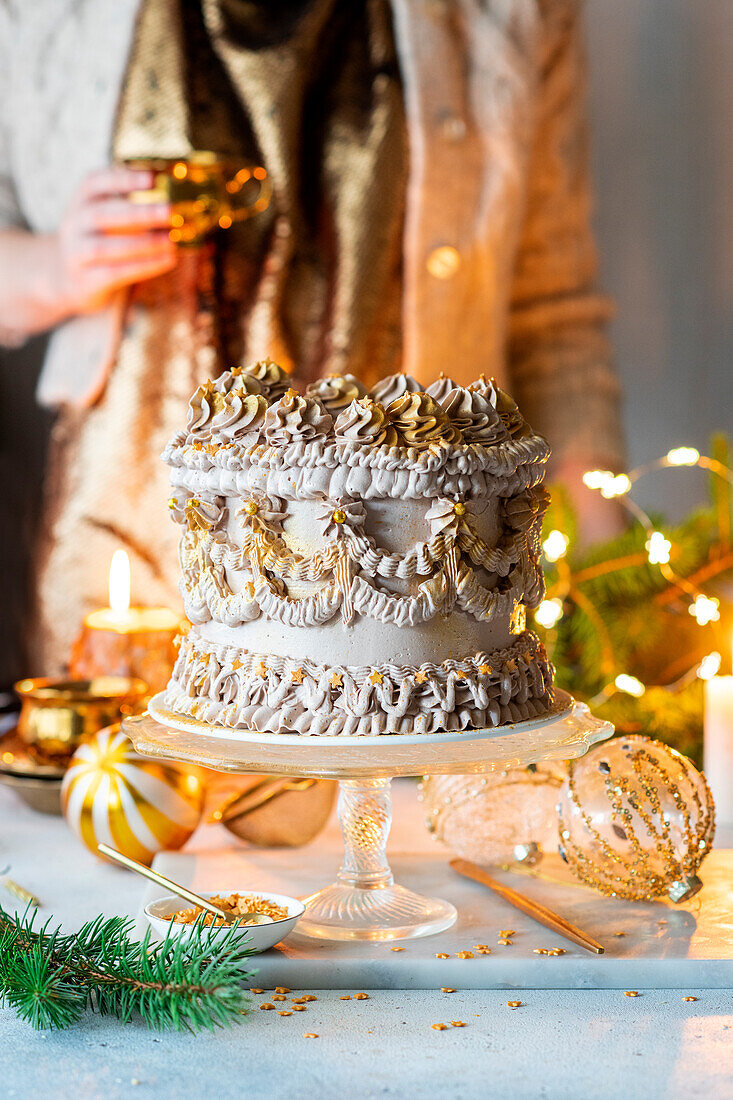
[[111, 795]]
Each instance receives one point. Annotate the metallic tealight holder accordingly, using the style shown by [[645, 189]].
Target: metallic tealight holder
[[57, 715]]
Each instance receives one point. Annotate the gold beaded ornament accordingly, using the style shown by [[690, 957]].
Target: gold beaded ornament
[[111, 795], [636, 819]]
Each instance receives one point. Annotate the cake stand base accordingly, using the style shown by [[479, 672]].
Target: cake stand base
[[364, 903]]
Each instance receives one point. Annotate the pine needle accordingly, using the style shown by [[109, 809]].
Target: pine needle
[[191, 984]]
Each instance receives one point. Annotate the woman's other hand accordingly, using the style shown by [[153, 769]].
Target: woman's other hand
[[106, 242]]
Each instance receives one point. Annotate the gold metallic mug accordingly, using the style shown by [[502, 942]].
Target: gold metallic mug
[[205, 192], [56, 715]]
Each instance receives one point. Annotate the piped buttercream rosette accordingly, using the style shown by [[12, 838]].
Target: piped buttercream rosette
[[336, 391], [394, 386], [295, 417], [420, 421], [365, 421]]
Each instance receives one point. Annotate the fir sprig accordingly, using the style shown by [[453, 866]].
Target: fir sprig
[[178, 984]]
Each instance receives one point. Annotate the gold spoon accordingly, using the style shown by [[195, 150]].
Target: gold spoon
[[176, 888]]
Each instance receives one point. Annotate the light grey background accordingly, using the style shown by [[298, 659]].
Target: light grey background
[[661, 99]]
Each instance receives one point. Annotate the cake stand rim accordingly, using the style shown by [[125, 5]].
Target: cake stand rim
[[564, 707]]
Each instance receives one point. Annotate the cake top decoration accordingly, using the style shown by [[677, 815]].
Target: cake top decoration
[[420, 421], [336, 391], [295, 417], [394, 386], [365, 421]]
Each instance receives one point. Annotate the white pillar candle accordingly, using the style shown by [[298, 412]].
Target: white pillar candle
[[718, 763]]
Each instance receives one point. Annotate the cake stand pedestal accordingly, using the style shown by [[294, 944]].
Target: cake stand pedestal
[[365, 903]]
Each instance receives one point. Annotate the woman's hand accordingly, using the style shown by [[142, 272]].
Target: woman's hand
[[105, 241]]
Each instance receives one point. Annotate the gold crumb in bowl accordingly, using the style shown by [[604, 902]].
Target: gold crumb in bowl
[[248, 909]]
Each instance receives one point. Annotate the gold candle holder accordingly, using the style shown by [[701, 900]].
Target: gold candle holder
[[57, 715], [139, 643]]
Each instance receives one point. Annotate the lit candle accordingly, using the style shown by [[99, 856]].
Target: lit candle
[[121, 640], [718, 763]]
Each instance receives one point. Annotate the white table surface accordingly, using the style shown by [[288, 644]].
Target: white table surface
[[562, 1044]]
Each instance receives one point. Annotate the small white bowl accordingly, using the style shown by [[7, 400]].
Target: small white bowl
[[259, 937]]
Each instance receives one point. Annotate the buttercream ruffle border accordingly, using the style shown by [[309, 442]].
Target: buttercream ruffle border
[[271, 694]]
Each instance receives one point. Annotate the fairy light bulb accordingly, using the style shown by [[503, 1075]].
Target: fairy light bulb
[[683, 456], [629, 685], [607, 483], [549, 613], [709, 666], [658, 548], [706, 609], [555, 545]]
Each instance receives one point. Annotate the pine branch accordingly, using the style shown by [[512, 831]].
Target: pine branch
[[178, 984]]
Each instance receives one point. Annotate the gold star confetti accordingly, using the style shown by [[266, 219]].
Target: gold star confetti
[[337, 680], [296, 675], [376, 677]]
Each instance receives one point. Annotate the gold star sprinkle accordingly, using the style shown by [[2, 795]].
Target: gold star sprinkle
[[485, 670], [296, 675], [361, 996], [439, 1027], [309, 1035], [457, 1023], [397, 949], [236, 664], [464, 954], [421, 676], [690, 998], [376, 677], [631, 993], [262, 670], [337, 680], [514, 1004], [446, 989]]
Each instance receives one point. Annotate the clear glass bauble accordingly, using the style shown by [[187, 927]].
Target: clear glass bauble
[[509, 815]]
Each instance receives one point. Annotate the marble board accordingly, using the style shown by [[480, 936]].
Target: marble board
[[663, 946]]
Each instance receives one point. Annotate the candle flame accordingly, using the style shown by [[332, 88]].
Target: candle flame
[[119, 582]]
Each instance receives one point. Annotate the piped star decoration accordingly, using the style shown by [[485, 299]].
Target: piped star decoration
[[376, 677], [337, 680], [296, 675]]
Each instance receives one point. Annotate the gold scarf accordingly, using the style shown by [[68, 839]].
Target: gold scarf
[[312, 91]]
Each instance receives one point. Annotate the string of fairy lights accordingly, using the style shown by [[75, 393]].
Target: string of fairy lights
[[705, 609]]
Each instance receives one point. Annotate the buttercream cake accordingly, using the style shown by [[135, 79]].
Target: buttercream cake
[[357, 563]]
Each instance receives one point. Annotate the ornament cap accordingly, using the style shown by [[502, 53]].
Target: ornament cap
[[684, 889]]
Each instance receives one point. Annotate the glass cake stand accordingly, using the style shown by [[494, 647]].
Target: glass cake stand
[[365, 903]]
